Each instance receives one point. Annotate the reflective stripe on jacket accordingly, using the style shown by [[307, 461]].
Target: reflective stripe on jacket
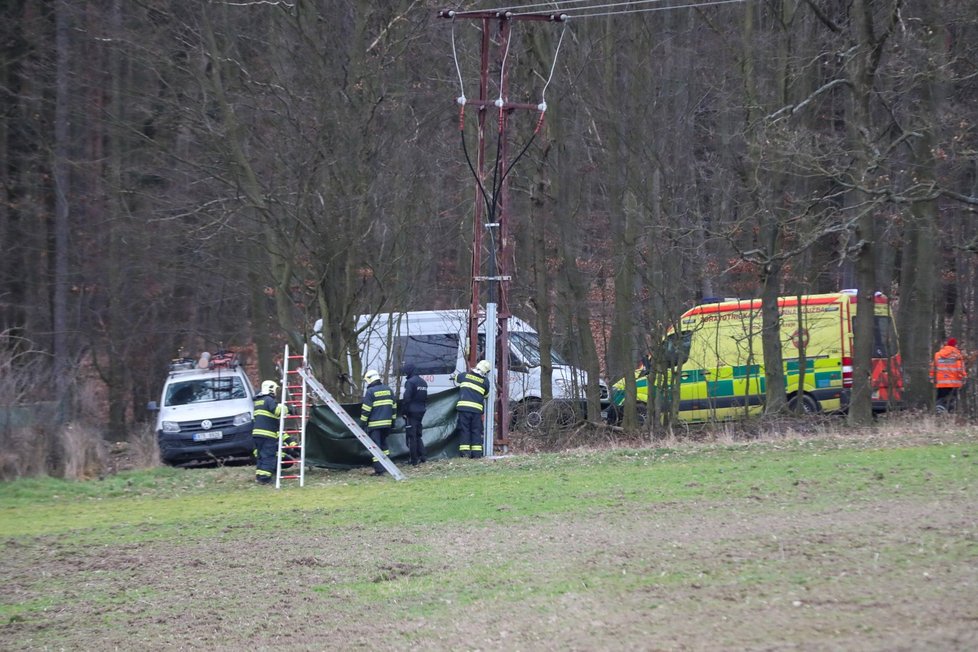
[[268, 412], [947, 369], [472, 390], [377, 410]]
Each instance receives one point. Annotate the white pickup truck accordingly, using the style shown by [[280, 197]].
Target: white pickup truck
[[205, 411]]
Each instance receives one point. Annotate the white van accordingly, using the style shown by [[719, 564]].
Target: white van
[[205, 411], [436, 343]]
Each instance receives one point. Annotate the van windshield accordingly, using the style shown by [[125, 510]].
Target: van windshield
[[204, 390], [528, 347]]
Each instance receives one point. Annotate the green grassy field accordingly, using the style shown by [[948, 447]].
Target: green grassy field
[[687, 547]]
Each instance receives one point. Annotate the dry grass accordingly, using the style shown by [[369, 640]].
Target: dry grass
[[84, 452], [74, 451], [586, 435]]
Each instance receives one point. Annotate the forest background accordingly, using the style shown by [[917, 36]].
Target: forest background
[[178, 177]]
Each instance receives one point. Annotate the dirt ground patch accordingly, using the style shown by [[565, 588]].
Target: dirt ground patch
[[765, 572], [854, 585]]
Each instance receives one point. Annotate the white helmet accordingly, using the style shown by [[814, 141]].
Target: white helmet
[[269, 387], [483, 367], [370, 376]]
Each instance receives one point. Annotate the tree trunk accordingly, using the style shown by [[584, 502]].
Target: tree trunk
[[62, 191], [919, 281], [862, 72]]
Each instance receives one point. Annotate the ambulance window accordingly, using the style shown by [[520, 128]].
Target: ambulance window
[[884, 337], [676, 348], [430, 354]]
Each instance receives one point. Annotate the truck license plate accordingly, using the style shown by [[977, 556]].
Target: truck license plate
[[207, 436]]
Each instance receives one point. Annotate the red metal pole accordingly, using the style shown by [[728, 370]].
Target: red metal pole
[[503, 266], [478, 216], [503, 248]]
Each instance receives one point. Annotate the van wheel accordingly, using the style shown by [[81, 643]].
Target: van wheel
[[808, 404], [527, 415]]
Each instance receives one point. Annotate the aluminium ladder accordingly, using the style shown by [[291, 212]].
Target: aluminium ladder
[[292, 421], [317, 388]]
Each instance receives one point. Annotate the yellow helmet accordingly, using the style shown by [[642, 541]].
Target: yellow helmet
[[269, 387], [483, 367], [370, 376]]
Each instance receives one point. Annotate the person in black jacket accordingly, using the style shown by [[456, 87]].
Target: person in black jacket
[[377, 414], [413, 407]]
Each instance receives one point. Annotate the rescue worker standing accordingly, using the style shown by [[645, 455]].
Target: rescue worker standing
[[413, 407], [264, 431], [473, 387], [948, 374], [377, 414]]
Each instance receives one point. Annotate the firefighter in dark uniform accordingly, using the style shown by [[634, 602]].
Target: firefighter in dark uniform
[[264, 430], [377, 414], [473, 387], [413, 407]]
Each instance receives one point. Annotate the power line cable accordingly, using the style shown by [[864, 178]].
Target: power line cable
[[543, 93], [587, 11], [547, 5], [458, 69], [695, 5]]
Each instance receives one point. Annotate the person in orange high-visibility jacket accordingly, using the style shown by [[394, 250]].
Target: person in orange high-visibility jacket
[[948, 373], [473, 387], [377, 414]]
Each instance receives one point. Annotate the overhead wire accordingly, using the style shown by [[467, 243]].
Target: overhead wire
[[708, 3], [458, 69], [500, 172], [611, 8], [585, 9]]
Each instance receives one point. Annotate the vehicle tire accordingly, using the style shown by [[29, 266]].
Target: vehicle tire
[[642, 412], [559, 414], [527, 415], [617, 412], [808, 404]]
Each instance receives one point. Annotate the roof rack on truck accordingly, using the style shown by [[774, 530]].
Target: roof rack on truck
[[223, 359]]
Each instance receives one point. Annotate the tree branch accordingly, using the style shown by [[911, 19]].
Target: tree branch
[[791, 109], [822, 16]]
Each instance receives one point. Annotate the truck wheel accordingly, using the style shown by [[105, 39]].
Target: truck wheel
[[808, 404]]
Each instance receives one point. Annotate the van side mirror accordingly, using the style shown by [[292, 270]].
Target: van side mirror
[[152, 406]]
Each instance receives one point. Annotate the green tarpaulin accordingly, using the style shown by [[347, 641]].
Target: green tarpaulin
[[329, 443]]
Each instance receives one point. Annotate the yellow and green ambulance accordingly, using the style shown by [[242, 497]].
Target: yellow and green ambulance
[[718, 353]]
